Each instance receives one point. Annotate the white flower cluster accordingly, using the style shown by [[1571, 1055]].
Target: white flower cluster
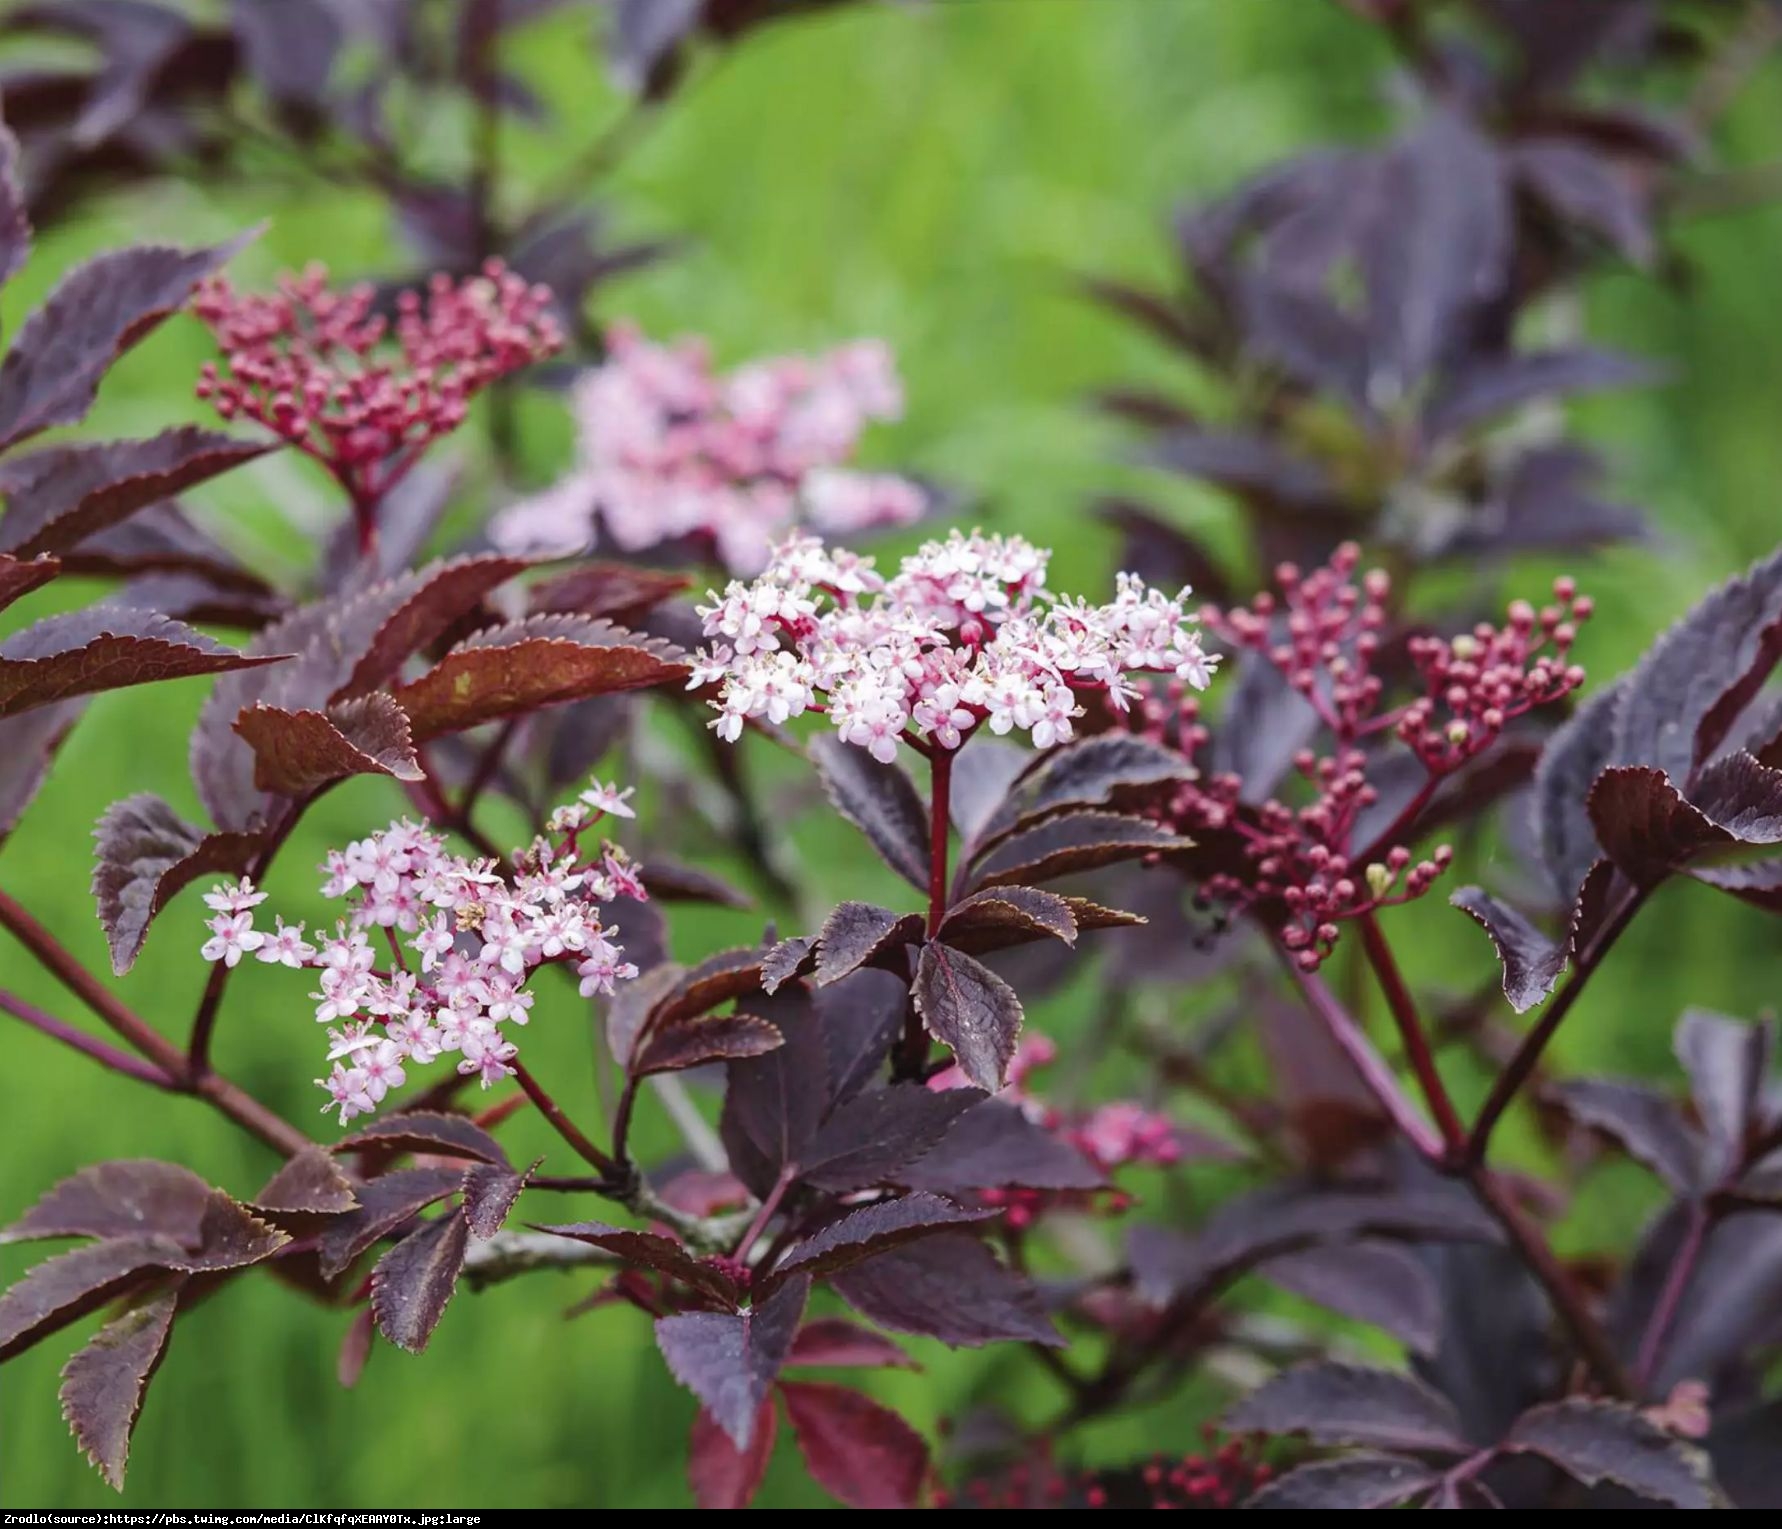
[[463, 940], [963, 635]]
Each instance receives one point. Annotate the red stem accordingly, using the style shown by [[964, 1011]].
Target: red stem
[[1367, 1062], [768, 1207], [1587, 1333], [1411, 1033], [204, 1021], [561, 1123], [1670, 1299], [939, 824], [224, 1096], [106, 1055]]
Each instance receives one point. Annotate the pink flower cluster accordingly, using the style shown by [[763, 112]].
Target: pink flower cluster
[[1298, 865], [963, 635], [670, 449], [362, 395], [463, 939]]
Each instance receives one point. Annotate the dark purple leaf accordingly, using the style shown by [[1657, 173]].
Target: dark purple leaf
[[1076, 841], [64, 1289], [15, 220], [948, 1287], [98, 311], [620, 592], [729, 1360], [632, 1005], [1693, 683], [857, 1451], [835, 1341], [1354, 1481], [643, 37], [346, 646], [28, 746], [1439, 255], [1591, 191], [413, 1283], [1250, 466], [438, 1135], [1086, 774], [161, 539], [1597, 1441], [873, 1229], [720, 1474], [1645, 1122], [1546, 497], [878, 1134], [489, 1194], [668, 881], [983, 772], [1152, 311], [542, 661], [695, 1042], [1377, 1283], [879, 800], [129, 1197], [859, 1018], [1531, 961], [858, 934], [1266, 1223], [1759, 883], [1351, 1404], [103, 1384], [970, 1010], [145, 853], [788, 959], [717, 979], [1494, 384], [19, 576], [774, 1103], [1728, 1063], [299, 752], [384, 1205], [311, 1183], [1570, 764], [289, 47], [1005, 916], [1647, 828], [104, 648], [58, 497], [995, 1146], [650, 1250]]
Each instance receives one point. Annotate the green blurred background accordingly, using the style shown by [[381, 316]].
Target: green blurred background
[[938, 175]]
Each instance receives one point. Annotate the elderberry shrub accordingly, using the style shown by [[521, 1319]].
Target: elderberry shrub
[[1143, 789]]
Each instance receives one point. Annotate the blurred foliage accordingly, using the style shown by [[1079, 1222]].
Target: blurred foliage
[[941, 175]]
